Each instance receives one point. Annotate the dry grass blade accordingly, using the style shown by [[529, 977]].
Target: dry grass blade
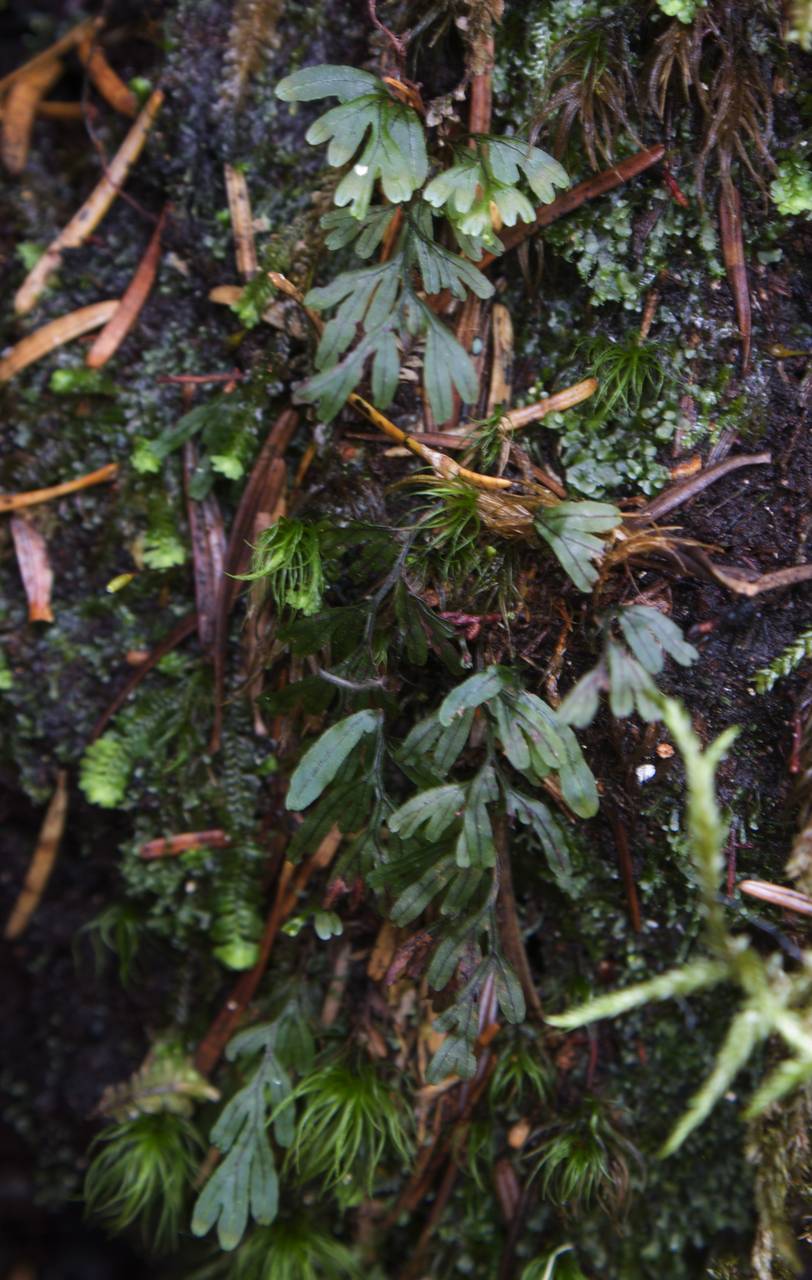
[[20, 110], [85, 221], [43, 861], [208, 551], [129, 308], [16, 501], [262, 492], [500, 391], [111, 87], [55, 334], [69, 41], [730, 228], [35, 568], [242, 222]]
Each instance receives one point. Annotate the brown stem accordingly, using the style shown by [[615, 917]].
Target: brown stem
[[590, 189], [397, 44], [509, 927], [624, 858], [194, 379], [173, 846], [481, 103], [178, 634], [290, 885]]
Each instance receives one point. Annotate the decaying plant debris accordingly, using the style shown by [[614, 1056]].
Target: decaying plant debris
[[387, 889]]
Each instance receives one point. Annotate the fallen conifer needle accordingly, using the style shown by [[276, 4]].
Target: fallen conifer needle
[[111, 87], [43, 861], [129, 308], [16, 501], [62, 45], [778, 895], [86, 219], [20, 110], [55, 334], [242, 222], [35, 568]]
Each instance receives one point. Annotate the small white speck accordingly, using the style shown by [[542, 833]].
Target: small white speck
[[361, 169], [645, 772]]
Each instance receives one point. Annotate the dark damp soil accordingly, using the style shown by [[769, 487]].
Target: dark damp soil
[[69, 1028]]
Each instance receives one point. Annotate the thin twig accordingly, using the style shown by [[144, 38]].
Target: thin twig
[[683, 492], [172, 846], [199, 379], [398, 44], [178, 633], [566, 398]]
